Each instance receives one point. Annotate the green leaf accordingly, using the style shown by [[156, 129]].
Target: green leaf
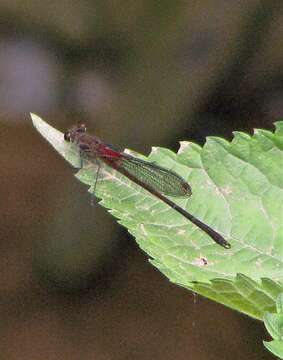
[[276, 347], [237, 190], [274, 325]]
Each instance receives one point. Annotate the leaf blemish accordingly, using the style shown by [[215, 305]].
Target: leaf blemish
[[143, 229], [226, 190], [201, 261]]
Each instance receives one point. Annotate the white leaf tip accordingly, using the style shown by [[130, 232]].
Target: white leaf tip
[[35, 119]]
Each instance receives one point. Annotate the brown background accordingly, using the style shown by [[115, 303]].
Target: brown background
[[73, 284]]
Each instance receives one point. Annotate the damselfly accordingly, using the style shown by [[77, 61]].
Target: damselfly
[[156, 179]]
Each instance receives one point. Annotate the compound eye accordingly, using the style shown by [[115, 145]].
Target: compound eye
[[81, 128], [67, 136]]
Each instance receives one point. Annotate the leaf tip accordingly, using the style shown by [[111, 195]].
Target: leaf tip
[[183, 146], [36, 120]]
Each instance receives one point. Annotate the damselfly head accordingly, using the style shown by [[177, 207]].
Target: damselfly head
[[81, 128], [70, 135]]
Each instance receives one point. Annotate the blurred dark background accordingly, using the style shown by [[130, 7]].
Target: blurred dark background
[[73, 284]]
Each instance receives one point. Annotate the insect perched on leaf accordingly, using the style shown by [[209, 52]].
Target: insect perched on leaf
[[156, 179]]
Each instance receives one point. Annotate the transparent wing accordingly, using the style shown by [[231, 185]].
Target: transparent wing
[[159, 178]]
